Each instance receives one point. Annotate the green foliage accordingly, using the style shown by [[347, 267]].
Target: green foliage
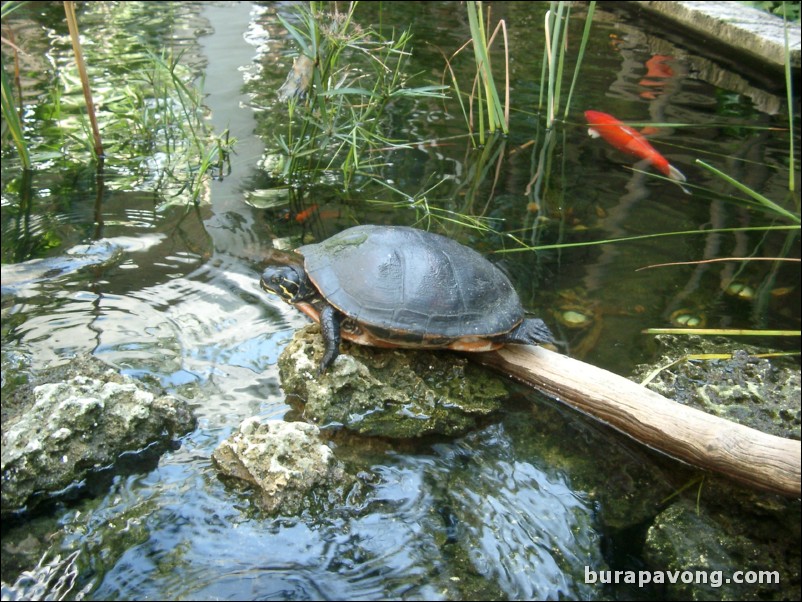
[[150, 112], [12, 120], [337, 93], [160, 113], [497, 117], [790, 9], [490, 111], [11, 117]]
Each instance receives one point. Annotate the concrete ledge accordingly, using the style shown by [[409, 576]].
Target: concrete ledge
[[742, 28]]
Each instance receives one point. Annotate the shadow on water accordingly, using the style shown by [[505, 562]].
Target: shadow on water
[[168, 291]]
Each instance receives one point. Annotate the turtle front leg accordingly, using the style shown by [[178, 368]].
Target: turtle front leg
[[330, 328]]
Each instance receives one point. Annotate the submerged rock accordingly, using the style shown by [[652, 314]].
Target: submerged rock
[[755, 557], [17, 276], [287, 463], [723, 528], [388, 392], [754, 391], [76, 419]]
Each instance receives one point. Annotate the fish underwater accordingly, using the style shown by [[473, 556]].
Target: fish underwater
[[627, 140]]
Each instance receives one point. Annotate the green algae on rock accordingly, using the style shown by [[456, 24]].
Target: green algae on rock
[[388, 392], [754, 391]]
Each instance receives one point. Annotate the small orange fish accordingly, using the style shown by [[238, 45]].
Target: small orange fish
[[627, 140], [304, 215]]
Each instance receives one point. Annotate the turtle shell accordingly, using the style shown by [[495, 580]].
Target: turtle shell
[[412, 286]]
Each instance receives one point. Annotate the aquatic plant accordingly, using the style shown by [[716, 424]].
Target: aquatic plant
[[13, 121], [498, 116], [555, 29], [556, 24], [72, 24], [789, 91], [581, 53], [163, 107], [491, 114], [151, 113], [11, 116], [761, 199], [337, 92]]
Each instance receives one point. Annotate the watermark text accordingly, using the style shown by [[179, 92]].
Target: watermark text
[[712, 578]]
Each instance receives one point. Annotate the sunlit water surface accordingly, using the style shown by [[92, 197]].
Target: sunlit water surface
[[516, 509]]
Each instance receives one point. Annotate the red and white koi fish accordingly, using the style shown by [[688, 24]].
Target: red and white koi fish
[[625, 139]]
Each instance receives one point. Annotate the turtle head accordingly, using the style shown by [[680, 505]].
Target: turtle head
[[288, 282]]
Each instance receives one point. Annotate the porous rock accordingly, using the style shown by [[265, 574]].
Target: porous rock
[[388, 392], [287, 464], [746, 388], [74, 420]]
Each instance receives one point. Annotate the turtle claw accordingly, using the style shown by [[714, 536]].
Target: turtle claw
[[531, 331]]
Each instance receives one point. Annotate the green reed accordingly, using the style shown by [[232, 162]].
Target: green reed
[[11, 116], [337, 93], [12, 120], [497, 114], [581, 53], [555, 29], [491, 113], [80, 63], [789, 90], [555, 49]]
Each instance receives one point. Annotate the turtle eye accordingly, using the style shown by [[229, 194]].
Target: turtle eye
[[276, 284], [282, 281]]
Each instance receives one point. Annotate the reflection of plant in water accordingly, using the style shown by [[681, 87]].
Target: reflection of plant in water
[[337, 92], [165, 118], [150, 111], [12, 120]]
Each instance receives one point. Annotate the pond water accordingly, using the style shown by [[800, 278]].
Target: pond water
[[125, 267]]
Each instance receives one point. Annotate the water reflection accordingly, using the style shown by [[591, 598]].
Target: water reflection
[[515, 510], [524, 533]]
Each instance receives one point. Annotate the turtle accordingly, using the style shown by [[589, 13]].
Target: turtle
[[398, 286]]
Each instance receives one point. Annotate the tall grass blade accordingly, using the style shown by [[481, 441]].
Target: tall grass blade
[[755, 195], [789, 90], [724, 332], [554, 33], [72, 24], [592, 243], [495, 111], [582, 45], [12, 120]]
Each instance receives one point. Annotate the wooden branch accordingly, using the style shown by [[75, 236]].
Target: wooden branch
[[742, 453]]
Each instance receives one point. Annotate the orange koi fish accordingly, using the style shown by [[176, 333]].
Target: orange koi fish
[[304, 215], [625, 139]]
